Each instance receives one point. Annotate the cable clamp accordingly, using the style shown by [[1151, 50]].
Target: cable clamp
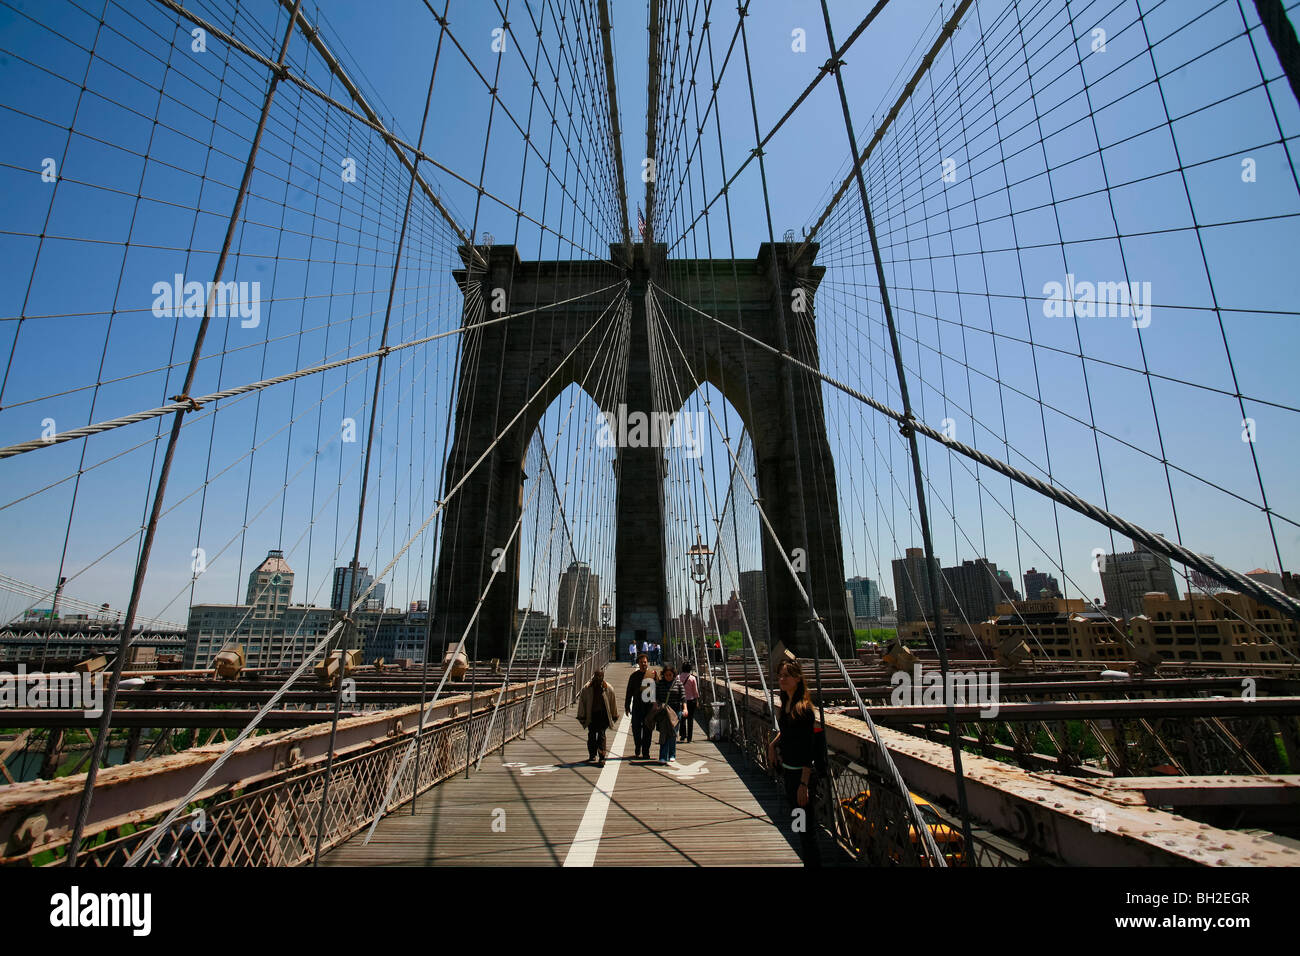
[[907, 427], [190, 404], [832, 66]]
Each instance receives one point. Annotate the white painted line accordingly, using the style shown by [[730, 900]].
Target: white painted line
[[582, 851]]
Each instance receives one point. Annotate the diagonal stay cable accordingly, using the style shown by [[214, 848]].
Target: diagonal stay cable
[[157, 832], [146, 546], [193, 404], [822, 73], [1176, 552], [452, 655], [949, 28], [936, 857]]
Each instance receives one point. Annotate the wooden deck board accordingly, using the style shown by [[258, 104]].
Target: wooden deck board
[[657, 816]]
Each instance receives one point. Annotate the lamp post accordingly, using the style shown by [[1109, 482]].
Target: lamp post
[[606, 615], [698, 556]]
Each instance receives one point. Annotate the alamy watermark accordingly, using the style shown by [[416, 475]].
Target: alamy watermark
[[624, 429], [178, 298], [77, 908], [922, 688], [36, 690], [1098, 299]]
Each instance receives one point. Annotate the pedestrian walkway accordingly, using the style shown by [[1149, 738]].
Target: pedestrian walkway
[[540, 804]]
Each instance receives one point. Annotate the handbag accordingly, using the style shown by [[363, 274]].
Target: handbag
[[652, 718]]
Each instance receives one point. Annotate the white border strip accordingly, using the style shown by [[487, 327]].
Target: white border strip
[[582, 851]]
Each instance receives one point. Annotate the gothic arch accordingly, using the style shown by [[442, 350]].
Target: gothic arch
[[505, 362]]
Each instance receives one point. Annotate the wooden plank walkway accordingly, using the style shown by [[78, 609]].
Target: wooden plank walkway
[[526, 807]]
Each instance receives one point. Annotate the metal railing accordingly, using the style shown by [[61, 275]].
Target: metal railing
[[275, 824], [861, 808]]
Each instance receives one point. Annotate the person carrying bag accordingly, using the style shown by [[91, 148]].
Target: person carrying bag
[[596, 709], [669, 698]]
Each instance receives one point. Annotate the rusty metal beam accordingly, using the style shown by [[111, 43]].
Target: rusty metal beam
[[881, 688], [1096, 710], [1050, 814], [1213, 791], [165, 717]]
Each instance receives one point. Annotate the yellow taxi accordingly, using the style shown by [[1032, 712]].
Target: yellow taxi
[[947, 838]]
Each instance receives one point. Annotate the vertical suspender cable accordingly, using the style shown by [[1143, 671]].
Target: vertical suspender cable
[[954, 735], [349, 626], [142, 564]]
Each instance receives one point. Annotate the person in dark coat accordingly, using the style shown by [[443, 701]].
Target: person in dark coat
[[637, 702], [597, 706], [794, 746]]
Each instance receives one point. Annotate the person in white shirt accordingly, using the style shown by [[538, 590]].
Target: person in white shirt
[[686, 726]]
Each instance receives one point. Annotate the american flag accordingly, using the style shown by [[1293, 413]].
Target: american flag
[[640, 220]]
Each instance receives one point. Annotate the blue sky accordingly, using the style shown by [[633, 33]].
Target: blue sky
[[321, 249]]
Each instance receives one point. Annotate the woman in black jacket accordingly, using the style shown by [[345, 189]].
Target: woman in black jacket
[[670, 695], [795, 745]]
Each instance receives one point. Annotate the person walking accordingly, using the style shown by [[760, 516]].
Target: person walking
[[637, 703], [795, 746], [668, 692], [691, 699], [597, 706]]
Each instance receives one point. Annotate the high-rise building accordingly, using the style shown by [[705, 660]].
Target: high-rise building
[[865, 597], [1128, 577], [341, 596], [886, 607], [972, 590], [1009, 592], [282, 639], [753, 598], [1037, 582], [532, 631], [912, 586], [393, 635], [285, 639], [726, 617], [270, 586], [579, 598]]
